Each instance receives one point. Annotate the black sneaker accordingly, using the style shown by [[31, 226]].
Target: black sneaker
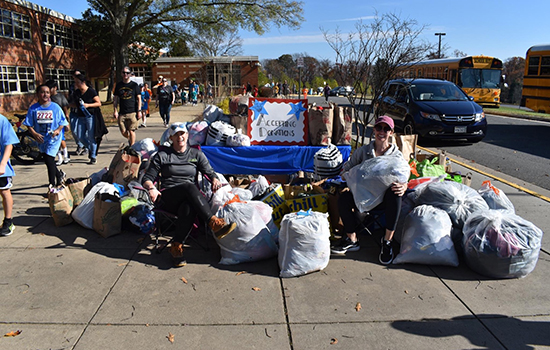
[[386, 253], [92, 161], [345, 245], [7, 228]]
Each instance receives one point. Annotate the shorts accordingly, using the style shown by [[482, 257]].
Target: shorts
[[127, 122], [5, 183]]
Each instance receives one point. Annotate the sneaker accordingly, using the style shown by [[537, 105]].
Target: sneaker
[[142, 125], [386, 252], [66, 160], [59, 161], [7, 228], [176, 250], [79, 151], [220, 227], [92, 161], [345, 245]]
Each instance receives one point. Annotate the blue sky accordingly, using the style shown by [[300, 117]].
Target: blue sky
[[499, 28]]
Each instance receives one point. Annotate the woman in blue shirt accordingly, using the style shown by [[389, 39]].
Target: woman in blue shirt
[[45, 120]]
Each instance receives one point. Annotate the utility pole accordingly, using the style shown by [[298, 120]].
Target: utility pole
[[439, 48]]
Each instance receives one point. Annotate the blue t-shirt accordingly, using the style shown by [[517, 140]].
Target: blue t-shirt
[[7, 137], [145, 100], [44, 119]]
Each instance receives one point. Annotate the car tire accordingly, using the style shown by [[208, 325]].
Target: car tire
[[408, 127]]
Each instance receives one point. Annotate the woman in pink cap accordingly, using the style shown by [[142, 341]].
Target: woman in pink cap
[[391, 204]]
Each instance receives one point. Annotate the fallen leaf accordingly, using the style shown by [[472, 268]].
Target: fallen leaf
[[170, 337], [406, 292], [256, 289], [358, 307], [122, 264], [12, 333], [147, 325], [42, 234], [333, 341], [184, 280], [240, 273]]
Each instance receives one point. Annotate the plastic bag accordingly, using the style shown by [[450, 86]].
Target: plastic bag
[[218, 133], [458, 200], [304, 243], [259, 186], [237, 140], [500, 244], [495, 198], [84, 213], [146, 148], [212, 113], [197, 133], [251, 239], [369, 180], [427, 238], [143, 218], [428, 168]]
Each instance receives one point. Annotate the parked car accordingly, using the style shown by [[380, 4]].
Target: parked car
[[432, 108], [342, 91]]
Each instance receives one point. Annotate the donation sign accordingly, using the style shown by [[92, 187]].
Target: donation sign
[[277, 121]]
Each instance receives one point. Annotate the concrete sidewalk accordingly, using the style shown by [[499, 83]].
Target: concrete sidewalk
[[69, 288]]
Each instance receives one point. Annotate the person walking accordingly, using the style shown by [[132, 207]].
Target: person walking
[[326, 92], [145, 98], [164, 101], [128, 96], [86, 100], [63, 153], [73, 116], [45, 120]]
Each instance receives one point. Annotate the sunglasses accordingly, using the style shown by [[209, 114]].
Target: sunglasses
[[126, 72], [380, 128]]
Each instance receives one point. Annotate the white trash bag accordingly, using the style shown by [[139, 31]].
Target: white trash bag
[[427, 238], [500, 244], [304, 243], [369, 180], [218, 133], [251, 239], [237, 140]]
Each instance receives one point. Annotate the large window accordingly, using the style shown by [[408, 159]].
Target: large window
[[64, 77], [14, 25], [58, 35], [16, 79], [144, 72], [533, 68], [545, 65]]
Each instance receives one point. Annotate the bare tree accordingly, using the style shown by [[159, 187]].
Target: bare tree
[[371, 55], [216, 40]]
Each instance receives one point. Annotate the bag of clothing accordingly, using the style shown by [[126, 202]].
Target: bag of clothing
[[304, 241], [495, 198], [212, 113], [84, 213], [500, 244], [369, 180], [218, 133], [107, 219], [320, 125], [237, 140], [327, 162], [251, 239], [197, 133], [124, 166], [458, 200], [427, 238], [429, 168], [146, 148], [60, 200], [342, 124]]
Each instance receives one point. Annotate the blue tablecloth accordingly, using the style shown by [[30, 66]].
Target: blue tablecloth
[[264, 159]]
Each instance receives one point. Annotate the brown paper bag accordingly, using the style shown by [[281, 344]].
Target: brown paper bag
[[107, 215], [61, 206], [320, 125], [341, 128], [77, 187], [406, 144], [124, 166]]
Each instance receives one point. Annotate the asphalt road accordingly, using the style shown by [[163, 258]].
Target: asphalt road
[[516, 147]]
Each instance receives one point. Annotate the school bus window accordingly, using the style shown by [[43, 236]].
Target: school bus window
[[533, 66], [545, 65]]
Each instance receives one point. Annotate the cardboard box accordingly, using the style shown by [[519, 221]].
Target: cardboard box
[[318, 202], [276, 199]]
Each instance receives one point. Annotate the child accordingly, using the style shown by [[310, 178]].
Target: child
[[145, 98], [7, 139], [45, 120], [63, 154]]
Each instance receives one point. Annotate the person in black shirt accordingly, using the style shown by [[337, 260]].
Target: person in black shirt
[[176, 168], [165, 99], [128, 96]]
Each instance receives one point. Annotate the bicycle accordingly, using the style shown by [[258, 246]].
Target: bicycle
[[27, 151]]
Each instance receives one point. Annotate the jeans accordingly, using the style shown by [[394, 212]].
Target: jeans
[[85, 128], [164, 110], [73, 120]]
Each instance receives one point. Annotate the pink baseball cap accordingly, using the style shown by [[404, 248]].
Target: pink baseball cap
[[385, 119]]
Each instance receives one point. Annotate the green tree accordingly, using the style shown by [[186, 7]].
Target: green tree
[[127, 17]]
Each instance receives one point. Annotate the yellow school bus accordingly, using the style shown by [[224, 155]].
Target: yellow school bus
[[536, 81], [479, 76]]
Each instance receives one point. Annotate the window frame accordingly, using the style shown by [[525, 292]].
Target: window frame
[[17, 22], [17, 79]]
